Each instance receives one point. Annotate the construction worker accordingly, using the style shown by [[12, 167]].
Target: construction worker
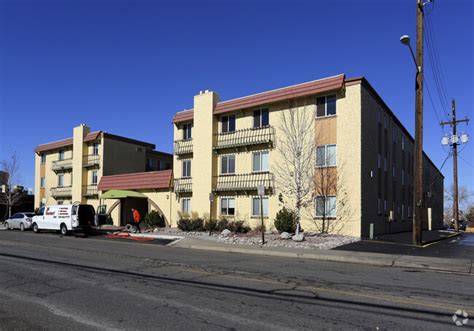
[[136, 218]]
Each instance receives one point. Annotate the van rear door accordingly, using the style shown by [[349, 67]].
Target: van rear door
[[86, 216]]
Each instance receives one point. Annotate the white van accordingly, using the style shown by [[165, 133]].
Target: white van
[[65, 218]]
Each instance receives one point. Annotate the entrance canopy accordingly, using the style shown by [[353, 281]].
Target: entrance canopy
[[120, 194]]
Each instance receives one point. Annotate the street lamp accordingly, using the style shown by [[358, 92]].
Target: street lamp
[[405, 40]]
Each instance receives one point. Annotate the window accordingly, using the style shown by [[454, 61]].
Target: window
[[256, 206], [43, 158], [379, 207], [385, 206], [260, 118], [228, 123], [260, 161], [61, 155], [94, 177], [95, 149], [187, 131], [228, 206], [326, 206], [403, 212], [326, 106], [326, 155], [42, 182], [150, 164], [186, 205], [228, 164], [60, 180], [186, 168]]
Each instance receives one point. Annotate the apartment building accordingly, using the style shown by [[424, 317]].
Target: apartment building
[[69, 170], [223, 150]]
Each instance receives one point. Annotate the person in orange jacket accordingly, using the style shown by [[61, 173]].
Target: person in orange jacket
[[136, 218]]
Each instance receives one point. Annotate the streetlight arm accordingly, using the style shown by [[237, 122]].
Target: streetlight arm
[[418, 69]]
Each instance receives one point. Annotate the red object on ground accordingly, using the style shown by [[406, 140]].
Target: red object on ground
[[125, 235]]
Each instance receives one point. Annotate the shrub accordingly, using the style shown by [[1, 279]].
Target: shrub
[[197, 224], [258, 228], [239, 227], [222, 224], [184, 224], [210, 225], [154, 219], [285, 221]]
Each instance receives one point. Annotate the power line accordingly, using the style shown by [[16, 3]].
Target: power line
[[435, 65], [467, 162]]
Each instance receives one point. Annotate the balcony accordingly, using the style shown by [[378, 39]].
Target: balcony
[[62, 165], [243, 182], [183, 185], [245, 137], [61, 192], [90, 190], [92, 160], [184, 146]]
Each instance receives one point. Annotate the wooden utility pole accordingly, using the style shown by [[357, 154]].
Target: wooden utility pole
[[454, 141], [418, 185]]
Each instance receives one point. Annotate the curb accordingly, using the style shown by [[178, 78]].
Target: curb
[[461, 266]]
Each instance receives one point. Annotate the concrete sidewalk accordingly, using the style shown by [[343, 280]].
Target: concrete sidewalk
[[463, 266]]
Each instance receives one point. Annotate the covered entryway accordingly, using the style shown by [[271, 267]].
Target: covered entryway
[[127, 201], [144, 191]]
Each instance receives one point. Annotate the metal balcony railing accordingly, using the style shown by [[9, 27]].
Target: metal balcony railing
[[183, 185], [184, 146], [61, 191], [90, 190], [245, 137], [62, 165], [243, 182], [91, 160]]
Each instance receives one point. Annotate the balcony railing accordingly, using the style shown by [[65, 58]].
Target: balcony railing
[[245, 137], [61, 191], [62, 165], [91, 160], [243, 182], [184, 146], [183, 185], [89, 190]]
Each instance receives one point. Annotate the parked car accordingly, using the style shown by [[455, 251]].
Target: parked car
[[65, 218], [20, 221]]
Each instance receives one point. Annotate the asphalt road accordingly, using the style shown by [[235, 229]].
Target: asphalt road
[[460, 247], [67, 283]]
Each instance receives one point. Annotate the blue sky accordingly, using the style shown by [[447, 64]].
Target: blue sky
[[127, 66]]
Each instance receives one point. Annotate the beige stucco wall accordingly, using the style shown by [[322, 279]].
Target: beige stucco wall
[[122, 157], [348, 108]]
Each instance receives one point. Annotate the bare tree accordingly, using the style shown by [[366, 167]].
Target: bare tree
[[296, 146], [11, 195], [465, 196]]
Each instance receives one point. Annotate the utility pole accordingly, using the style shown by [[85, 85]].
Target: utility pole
[[454, 141], [418, 185]]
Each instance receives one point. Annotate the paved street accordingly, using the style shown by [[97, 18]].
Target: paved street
[[53, 282], [458, 247]]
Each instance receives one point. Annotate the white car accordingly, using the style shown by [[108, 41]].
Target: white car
[[20, 221], [65, 218]]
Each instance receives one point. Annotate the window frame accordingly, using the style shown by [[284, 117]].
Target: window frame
[[95, 148], [61, 180], [258, 114], [227, 157], [326, 105], [264, 198], [188, 202], [227, 208], [188, 167], [260, 153], [94, 174], [326, 165], [227, 121], [188, 131], [325, 199]]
